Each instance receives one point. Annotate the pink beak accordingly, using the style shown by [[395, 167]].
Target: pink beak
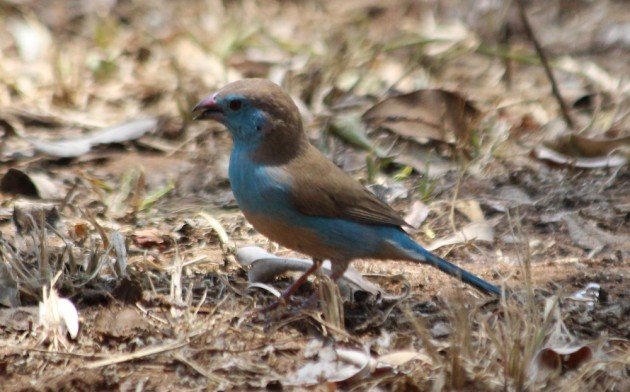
[[208, 109]]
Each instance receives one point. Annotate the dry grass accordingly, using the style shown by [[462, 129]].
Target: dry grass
[[140, 234]]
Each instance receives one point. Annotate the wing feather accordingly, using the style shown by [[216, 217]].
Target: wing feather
[[320, 188]]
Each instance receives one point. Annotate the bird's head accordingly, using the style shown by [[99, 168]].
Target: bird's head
[[259, 114]]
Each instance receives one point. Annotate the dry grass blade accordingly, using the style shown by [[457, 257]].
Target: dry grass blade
[[548, 207], [142, 353]]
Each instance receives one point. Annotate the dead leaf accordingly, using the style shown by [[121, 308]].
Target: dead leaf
[[117, 241], [151, 237], [507, 197], [587, 235], [19, 319], [443, 38], [122, 323], [424, 160], [348, 365], [333, 365], [424, 115], [402, 357], [471, 209], [16, 182], [441, 330], [79, 231], [589, 294], [27, 215], [264, 267], [590, 70], [80, 145], [418, 213], [615, 34], [479, 229], [560, 359], [547, 154], [581, 146], [474, 231]]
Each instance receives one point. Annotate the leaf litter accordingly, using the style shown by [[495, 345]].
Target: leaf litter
[[459, 133]]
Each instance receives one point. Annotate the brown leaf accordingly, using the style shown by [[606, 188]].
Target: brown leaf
[[150, 237], [581, 146], [554, 359], [423, 115], [79, 231]]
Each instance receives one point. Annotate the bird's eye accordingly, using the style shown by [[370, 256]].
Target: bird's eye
[[235, 104]]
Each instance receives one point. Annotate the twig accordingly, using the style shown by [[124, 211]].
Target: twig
[[147, 352], [69, 195], [506, 34], [543, 59]]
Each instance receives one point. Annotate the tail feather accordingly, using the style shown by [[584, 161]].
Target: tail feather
[[415, 252], [461, 274]]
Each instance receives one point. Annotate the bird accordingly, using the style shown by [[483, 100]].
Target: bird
[[295, 196]]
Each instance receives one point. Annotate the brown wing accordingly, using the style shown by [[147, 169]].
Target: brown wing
[[323, 189]]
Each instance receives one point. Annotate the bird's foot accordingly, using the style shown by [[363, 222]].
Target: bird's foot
[[282, 301], [285, 298]]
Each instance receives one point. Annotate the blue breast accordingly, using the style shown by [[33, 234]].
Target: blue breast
[[258, 188]]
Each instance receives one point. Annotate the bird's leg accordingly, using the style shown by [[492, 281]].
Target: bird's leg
[[284, 298], [338, 268]]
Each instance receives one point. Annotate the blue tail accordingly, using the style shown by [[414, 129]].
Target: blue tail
[[461, 274], [415, 252]]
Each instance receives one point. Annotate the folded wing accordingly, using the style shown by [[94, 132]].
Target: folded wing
[[323, 189]]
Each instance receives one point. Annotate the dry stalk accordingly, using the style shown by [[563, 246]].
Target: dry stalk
[[543, 59]]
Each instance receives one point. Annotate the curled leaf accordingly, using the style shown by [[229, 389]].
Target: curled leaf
[[590, 147], [264, 267], [547, 154], [560, 359], [35, 185]]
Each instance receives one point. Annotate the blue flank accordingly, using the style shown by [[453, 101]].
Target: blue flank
[[265, 190]]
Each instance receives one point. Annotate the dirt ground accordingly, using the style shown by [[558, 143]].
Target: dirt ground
[[112, 196]]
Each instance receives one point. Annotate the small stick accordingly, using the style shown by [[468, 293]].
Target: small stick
[[145, 352], [543, 59], [505, 36]]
